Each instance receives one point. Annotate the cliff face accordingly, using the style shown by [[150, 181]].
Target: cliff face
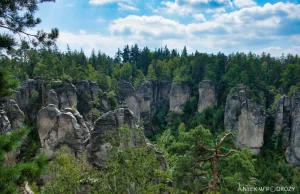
[[144, 100], [246, 119], [179, 95], [287, 121], [207, 95]]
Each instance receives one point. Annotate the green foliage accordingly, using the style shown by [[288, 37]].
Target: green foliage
[[126, 72], [190, 174], [17, 16], [12, 175], [112, 100], [131, 168], [7, 82], [66, 172]]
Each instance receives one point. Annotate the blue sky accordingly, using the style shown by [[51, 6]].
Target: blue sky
[[205, 25]]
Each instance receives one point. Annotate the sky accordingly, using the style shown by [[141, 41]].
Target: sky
[[209, 26]]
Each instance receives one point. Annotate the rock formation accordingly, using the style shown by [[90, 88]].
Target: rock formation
[[246, 119], [144, 100], [15, 115], [66, 93], [180, 93], [5, 126], [128, 94], [207, 95], [87, 92], [108, 124], [287, 121], [57, 129]]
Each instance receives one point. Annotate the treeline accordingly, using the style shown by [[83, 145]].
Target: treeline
[[261, 74]]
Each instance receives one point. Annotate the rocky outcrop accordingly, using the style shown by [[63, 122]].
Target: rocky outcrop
[[32, 95], [180, 93], [128, 94], [246, 119], [287, 121], [11, 116], [144, 100], [28, 97], [5, 126], [207, 95], [66, 93], [15, 115], [108, 124], [57, 129], [283, 119], [87, 92], [151, 95], [52, 98]]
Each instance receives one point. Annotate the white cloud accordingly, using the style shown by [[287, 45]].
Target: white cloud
[[89, 42], [244, 3], [199, 17], [82, 32], [103, 2], [187, 7], [278, 51], [70, 5], [147, 26], [276, 28], [123, 6]]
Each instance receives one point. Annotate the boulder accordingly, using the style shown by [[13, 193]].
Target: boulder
[[207, 95], [180, 93], [246, 119]]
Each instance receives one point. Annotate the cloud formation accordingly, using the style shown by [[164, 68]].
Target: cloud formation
[[187, 7]]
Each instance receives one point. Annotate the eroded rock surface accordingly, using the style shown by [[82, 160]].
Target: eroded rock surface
[[152, 94], [180, 93], [287, 121], [15, 115], [57, 129], [5, 126], [207, 95], [246, 119]]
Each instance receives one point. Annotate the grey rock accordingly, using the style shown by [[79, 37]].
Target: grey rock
[[128, 94], [15, 115], [108, 124], [151, 95], [246, 119], [207, 95], [180, 93], [282, 119], [66, 93], [287, 121], [144, 100], [52, 98], [87, 92], [5, 126], [57, 129], [26, 97]]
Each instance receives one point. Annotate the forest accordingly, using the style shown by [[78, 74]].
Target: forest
[[186, 152]]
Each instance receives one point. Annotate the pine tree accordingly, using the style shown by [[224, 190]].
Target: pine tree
[[13, 175], [18, 15]]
